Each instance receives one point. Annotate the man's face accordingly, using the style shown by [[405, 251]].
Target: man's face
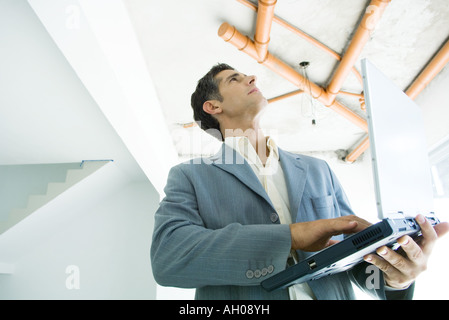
[[240, 95]]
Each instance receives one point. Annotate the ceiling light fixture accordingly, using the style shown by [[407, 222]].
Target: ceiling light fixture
[[308, 104]]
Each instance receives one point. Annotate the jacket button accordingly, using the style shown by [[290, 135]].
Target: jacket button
[[257, 273], [250, 274], [270, 268], [274, 217]]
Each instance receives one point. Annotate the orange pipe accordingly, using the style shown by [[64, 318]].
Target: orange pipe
[[316, 43], [351, 94], [358, 150], [349, 114], [305, 36], [327, 97], [265, 14], [287, 95], [429, 72], [372, 15], [243, 43], [230, 34], [293, 93], [189, 125], [424, 78]]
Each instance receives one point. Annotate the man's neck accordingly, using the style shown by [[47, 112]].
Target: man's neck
[[255, 137]]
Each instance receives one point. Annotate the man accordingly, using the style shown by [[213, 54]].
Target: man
[[232, 220]]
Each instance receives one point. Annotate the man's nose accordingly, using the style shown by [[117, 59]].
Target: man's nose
[[252, 79]]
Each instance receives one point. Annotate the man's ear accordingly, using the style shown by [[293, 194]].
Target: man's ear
[[212, 107]]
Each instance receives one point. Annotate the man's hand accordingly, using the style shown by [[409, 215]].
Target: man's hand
[[316, 235], [401, 270]]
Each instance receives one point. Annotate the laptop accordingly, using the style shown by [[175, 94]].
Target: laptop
[[402, 178]]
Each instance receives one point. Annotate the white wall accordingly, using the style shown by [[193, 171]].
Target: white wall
[[109, 243], [103, 225], [433, 100], [435, 105], [17, 182]]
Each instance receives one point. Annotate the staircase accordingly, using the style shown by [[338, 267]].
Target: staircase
[[35, 201]]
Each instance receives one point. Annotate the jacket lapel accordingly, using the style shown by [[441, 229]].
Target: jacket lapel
[[229, 160], [295, 173]]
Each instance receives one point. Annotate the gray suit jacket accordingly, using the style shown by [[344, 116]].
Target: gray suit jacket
[[217, 231]]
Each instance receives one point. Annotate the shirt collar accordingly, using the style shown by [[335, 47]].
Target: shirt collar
[[244, 148], [272, 146]]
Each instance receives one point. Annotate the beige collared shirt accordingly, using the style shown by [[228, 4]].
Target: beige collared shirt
[[272, 179]]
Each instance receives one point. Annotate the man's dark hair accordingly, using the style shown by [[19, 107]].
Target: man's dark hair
[[207, 89]]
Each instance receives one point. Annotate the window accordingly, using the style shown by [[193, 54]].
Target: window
[[439, 162], [433, 283]]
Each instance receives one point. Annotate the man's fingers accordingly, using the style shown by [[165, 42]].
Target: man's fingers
[[411, 248], [441, 229], [397, 269], [398, 261], [402, 269], [394, 278], [339, 226], [382, 264], [315, 235], [348, 224], [429, 235], [427, 229], [361, 223], [332, 242]]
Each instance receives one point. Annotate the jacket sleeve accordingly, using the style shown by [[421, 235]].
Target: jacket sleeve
[[186, 254]]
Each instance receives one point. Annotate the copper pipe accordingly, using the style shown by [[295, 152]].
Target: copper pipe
[[316, 43], [189, 125], [305, 36], [429, 72], [351, 94], [372, 15], [358, 150], [293, 93], [423, 79], [327, 97], [243, 43], [265, 13], [230, 34], [349, 114], [287, 95]]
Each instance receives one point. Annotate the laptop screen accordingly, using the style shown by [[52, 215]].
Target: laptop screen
[[398, 147]]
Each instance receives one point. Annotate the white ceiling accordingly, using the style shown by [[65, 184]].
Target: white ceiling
[[68, 95], [180, 43], [111, 87], [65, 97]]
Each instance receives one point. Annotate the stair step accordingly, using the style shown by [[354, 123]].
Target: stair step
[[54, 189]]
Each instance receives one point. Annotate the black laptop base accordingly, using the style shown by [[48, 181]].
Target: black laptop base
[[347, 253]]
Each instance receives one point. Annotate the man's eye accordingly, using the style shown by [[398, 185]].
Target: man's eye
[[234, 79]]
